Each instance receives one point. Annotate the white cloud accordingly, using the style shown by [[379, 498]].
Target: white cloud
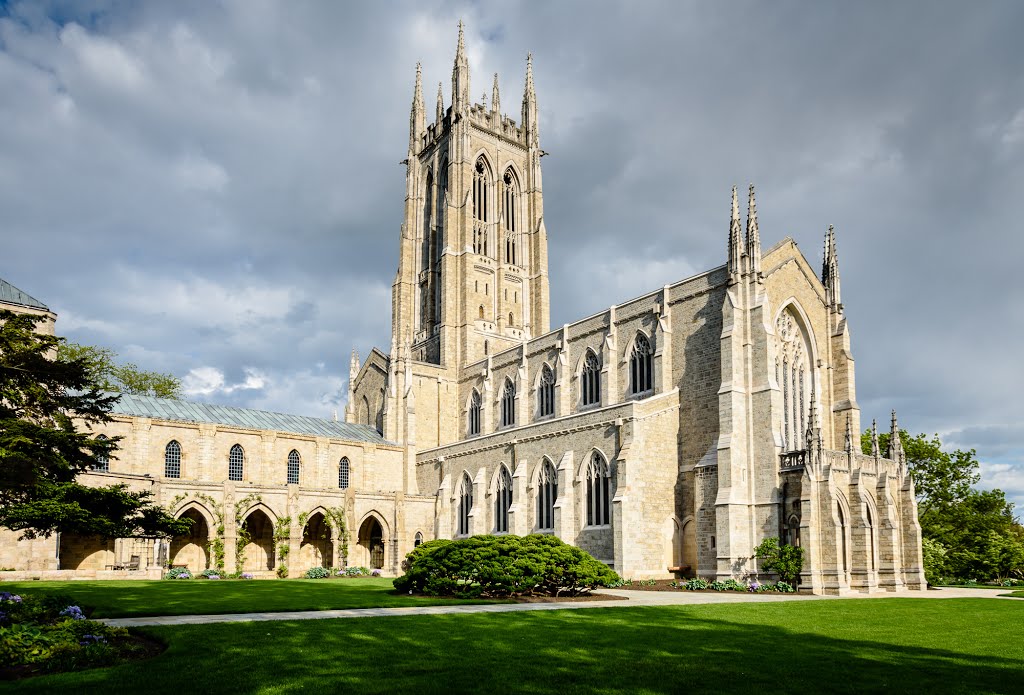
[[194, 171], [206, 381], [104, 59]]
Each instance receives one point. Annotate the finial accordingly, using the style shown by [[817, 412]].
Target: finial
[[495, 98], [440, 103], [874, 439], [849, 433], [830, 271], [753, 235], [735, 251], [529, 73], [895, 442]]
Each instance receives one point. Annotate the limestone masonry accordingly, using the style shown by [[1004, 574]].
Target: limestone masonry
[[669, 434]]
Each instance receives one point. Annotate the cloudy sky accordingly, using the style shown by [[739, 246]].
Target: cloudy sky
[[213, 189]]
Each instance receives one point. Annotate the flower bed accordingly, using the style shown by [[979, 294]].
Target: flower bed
[[754, 587], [47, 634]]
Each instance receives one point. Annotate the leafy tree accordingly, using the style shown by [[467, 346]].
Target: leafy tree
[[42, 452], [970, 533], [102, 366], [784, 560]]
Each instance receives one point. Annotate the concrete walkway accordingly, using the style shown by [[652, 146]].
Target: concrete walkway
[[635, 599]]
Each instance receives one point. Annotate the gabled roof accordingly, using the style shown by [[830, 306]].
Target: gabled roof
[[190, 411], [10, 294]]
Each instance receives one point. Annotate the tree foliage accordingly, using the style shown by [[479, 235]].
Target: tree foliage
[[104, 371], [968, 533], [784, 560], [42, 452]]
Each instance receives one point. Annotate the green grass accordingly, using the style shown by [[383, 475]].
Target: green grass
[[124, 599], [1014, 594], [846, 646]]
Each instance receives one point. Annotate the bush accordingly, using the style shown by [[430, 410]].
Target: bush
[[51, 633], [318, 573], [502, 566], [784, 560], [282, 571], [359, 572], [178, 573], [785, 587], [209, 574], [696, 584]]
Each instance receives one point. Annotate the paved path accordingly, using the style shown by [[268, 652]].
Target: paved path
[[635, 598]]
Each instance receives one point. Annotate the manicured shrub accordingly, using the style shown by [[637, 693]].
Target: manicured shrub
[[785, 560], [210, 574], [318, 573], [178, 573], [696, 584], [502, 566]]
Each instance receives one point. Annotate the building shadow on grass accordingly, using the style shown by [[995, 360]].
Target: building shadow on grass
[[659, 650]]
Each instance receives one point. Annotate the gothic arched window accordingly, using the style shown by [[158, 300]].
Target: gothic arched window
[[236, 462], [547, 493], [590, 380], [510, 214], [473, 415], [502, 501], [172, 460], [102, 460], [598, 492], [640, 380], [465, 504], [481, 211], [343, 472], [794, 375], [508, 404], [546, 392], [419, 540], [293, 467]]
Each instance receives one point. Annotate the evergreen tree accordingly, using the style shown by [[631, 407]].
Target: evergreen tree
[[42, 452]]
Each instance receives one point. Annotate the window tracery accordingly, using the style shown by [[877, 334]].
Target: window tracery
[[640, 379], [794, 380], [546, 392], [502, 501], [590, 380]]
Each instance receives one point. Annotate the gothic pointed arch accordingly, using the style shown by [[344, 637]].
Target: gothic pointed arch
[[511, 215], [795, 374], [589, 377], [508, 403], [482, 206], [546, 391], [473, 408], [502, 498], [641, 367], [465, 504], [597, 475], [547, 494]]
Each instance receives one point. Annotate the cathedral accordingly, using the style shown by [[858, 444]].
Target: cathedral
[[666, 435]]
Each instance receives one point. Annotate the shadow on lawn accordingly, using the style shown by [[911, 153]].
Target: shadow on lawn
[[655, 649]]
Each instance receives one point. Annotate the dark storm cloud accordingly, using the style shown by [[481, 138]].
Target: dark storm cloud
[[213, 188]]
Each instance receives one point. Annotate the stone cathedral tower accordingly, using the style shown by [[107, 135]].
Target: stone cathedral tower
[[473, 270]]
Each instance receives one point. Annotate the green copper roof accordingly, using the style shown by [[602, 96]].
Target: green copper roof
[[190, 411], [12, 295]]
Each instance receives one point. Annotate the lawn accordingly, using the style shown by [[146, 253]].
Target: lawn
[[123, 599], [1014, 594], [847, 646]]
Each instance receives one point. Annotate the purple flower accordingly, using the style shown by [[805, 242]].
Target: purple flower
[[73, 612], [92, 639], [247, 575]]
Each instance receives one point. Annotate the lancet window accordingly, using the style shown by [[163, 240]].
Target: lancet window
[[102, 461], [502, 501], [236, 462], [508, 404], [590, 380], [293, 467], [598, 492], [510, 215], [172, 460], [640, 380], [344, 468], [481, 209], [546, 392], [547, 493], [465, 505], [473, 414]]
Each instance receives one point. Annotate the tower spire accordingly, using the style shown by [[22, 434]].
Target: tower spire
[[753, 235], [849, 434], [874, 439], [495, 97], [830, 271], [417, 114], [440, 104], [530, 105], [460, 75], [735, 250]]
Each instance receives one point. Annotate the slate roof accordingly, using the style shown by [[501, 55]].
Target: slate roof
[[12, 295], [191, 411]]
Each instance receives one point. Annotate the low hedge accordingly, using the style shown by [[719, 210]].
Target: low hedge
[[502, 566]]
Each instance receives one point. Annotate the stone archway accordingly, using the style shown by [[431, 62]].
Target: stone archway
[[317, 546], [371, 543], [259, 551], [192, 550]]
